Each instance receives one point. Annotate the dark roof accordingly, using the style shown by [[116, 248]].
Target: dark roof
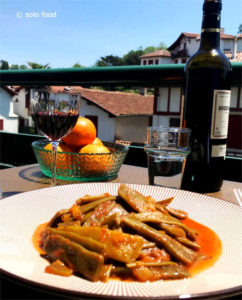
[[181, 36], [197, 36], [115, 103], [10, 90]]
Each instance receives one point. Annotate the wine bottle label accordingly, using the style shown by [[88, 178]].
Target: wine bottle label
[[220, 114], [218, 151]]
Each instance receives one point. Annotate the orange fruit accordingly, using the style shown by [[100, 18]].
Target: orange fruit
[[95, 164], [82, 134], [92, 148], [97, 141], [63, 159]]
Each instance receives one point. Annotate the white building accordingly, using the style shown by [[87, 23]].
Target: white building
[[8, 119], [116, 115], [21, 101], [188, 43], [156, 58]]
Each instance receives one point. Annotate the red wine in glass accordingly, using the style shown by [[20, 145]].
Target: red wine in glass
[[55, 115], [55, 125]]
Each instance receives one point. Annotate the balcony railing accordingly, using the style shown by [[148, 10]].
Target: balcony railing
[[143, 76], [127, 76], [180, 53]]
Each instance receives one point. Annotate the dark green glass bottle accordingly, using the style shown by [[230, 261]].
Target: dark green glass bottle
[[206, 106]]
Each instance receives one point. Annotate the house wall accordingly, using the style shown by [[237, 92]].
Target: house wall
[[165, 60], [161, 60], [131, 128], [226, 45], [191, 45], [20, 104], [239, 45], [161, 120], [10, 120], [106, 124]]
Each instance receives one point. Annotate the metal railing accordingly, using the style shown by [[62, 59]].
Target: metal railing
[[143, 76], [127, 76]]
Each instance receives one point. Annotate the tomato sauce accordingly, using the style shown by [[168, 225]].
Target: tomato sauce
[[36, 238], [210, 243]]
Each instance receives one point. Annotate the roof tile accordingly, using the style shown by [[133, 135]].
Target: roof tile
[[115, 103], [157, 53]]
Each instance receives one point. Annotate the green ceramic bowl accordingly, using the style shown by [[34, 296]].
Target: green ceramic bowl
[[82, 166]]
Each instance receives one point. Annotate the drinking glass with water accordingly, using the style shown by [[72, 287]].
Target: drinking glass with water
[[167, 149]]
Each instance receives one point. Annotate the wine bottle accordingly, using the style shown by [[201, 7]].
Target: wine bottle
[[206, 106]]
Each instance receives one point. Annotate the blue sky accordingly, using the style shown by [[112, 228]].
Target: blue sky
[[63, 32]]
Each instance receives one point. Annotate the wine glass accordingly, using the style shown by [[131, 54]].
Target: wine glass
[[54, 114]]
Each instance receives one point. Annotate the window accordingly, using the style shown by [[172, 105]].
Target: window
[[168, 101], [162, 104], [144, 62], [175, 99], [150, 62], [236, 99], [157, 61], [1, 124]]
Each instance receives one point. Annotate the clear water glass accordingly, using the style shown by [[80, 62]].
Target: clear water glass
[[167, 149]]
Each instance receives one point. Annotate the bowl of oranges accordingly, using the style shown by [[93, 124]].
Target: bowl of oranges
[[81, 155]]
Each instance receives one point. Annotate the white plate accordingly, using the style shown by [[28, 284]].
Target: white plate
[[22, 213]]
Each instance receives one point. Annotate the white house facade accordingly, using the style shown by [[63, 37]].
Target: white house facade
[[8, 119], [116, 115], [156, 58], [21, 106]]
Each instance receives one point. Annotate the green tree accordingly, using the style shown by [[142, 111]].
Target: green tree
[[23, 67], [162, 46], [77, 65], [109, 60], [152, 48], [4, 65], [14, 67], [240, 29], [34, 65], [133, 57], [149, 49]]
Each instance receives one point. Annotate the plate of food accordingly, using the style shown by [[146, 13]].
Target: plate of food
[[106, 240]]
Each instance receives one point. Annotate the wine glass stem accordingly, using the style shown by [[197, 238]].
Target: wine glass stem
[[54, 146]]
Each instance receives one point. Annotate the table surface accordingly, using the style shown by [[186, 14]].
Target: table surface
[[29, 177]]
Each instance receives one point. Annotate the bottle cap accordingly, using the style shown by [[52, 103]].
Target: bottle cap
[[212, 6]]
